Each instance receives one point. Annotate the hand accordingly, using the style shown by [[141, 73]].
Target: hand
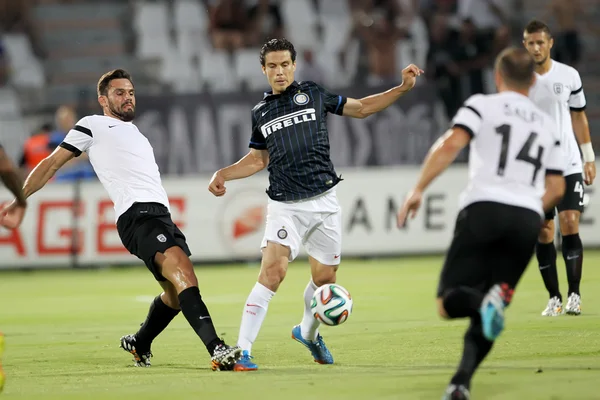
[[409, 76], [411, 206], [217, 185], [589, 172], [12, 215]]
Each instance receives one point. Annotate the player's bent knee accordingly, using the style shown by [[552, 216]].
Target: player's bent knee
[[272, 273], [547, 232], [326, 274], [441, 310], [569, 222], [177, 268]]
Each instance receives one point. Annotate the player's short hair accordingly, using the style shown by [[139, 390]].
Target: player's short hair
[[535, 26], [105, 80], [277, 45], [516, 66]]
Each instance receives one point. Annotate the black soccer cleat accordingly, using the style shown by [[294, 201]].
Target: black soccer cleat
[[454, 392], [224, 357], [141, 355]]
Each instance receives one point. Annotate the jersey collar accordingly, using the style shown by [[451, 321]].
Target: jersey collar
[[552, 65], [269, 95]]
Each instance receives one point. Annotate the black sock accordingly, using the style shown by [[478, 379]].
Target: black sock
[[196, 313], [572, 250], [476, 348], [462, 302], [159, 316], [546, 256]]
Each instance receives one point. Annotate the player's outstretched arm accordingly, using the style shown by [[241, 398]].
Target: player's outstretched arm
[[443, 152], [11, 178], [13, 181], [46, 169], [362, 108], [11, 216], [256, 160], [582, 132]]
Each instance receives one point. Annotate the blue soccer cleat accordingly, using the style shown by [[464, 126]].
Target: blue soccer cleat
[[245, 363], [317, 348], [492, 311]]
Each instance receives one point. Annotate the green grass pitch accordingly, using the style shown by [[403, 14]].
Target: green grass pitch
[[62, 330]]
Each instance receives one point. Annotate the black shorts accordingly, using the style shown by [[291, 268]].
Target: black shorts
[[573, 198], [146, 229], [493, 243]]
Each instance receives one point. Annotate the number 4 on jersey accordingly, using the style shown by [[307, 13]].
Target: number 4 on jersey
[[523, 155]]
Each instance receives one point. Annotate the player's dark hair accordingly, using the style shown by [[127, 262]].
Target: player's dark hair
[[277, 45], [535, 26], [105, 80], [516, 66]]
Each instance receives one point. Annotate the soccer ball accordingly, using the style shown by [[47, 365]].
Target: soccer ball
[[331, 304]]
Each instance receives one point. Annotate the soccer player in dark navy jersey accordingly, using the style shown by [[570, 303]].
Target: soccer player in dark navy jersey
[[290, 138], [292, 127]]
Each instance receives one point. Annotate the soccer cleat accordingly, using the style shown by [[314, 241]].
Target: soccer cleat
[[224, 357], [317, 348], [2, 376], [573, 304], [492, 310], [245, 363], [141, 355], [554, 308], [454, 392]]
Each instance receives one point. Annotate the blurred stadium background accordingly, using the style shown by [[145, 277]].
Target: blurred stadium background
[[197, 75]]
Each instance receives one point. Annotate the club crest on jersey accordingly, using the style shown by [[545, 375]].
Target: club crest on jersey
[[282, 233], [161, 238], [558, 88], [301, 99]]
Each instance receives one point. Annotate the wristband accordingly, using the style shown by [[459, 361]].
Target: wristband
[[588, 152]]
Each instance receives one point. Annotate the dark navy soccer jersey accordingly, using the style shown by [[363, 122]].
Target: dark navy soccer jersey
[[292, 127]]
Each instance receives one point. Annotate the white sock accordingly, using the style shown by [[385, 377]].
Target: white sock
[[309, 327], [255, 311]]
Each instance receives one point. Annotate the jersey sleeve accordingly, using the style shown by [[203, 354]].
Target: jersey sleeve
[[555, 164], [257, 140], [468, 117], [333, 103], [577, 98], [80, 138]]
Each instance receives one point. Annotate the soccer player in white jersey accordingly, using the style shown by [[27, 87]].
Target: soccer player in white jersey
[[124, 161], [515, 175], [558, 91]]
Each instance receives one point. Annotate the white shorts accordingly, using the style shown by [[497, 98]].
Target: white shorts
[[315, 223]]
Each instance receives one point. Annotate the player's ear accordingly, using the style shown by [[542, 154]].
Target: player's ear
[[551, 43], [102, 100], [294, 66], [264, 70]]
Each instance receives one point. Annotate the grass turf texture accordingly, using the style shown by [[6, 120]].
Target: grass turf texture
[[62, 331]]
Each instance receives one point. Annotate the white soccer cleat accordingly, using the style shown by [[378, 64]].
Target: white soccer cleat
[[554, 308], [573, 304]]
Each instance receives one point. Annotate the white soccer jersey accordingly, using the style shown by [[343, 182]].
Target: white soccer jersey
[[122, 158], [557, 92], [514, 145]]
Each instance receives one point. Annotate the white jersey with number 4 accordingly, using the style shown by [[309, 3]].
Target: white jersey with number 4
[[514, 145], [122, 158], [558, 92]]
